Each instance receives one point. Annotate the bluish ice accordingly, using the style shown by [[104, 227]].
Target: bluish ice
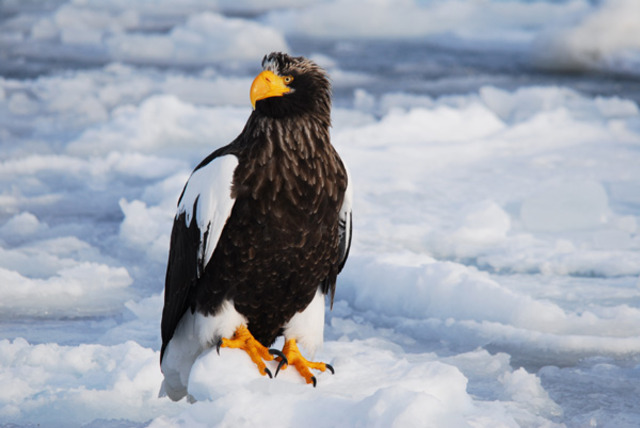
[[494, 148]]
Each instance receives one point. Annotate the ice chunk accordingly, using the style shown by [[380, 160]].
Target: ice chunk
[[608, 37], [21, 225], [71, 386], [485, 223], [146, 228], [204, 38], [80, 290], [161, 123]]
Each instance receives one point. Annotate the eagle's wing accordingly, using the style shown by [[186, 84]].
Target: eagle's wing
[[203, 209], [344, 223], [307, 325], [328, 286]]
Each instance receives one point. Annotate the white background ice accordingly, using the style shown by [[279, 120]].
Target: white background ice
[[494, 274]]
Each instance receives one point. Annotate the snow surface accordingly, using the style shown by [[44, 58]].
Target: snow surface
[[494, 277]]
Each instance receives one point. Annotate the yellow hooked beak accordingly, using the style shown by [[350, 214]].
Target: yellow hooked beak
[[267, 84]]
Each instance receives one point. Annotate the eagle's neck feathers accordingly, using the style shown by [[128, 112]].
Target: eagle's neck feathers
[[292, 159]]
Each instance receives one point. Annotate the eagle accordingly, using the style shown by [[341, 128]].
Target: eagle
[[262, 230]]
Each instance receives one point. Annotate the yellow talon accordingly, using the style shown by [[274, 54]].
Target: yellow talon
[[302, 365], [243, 339]]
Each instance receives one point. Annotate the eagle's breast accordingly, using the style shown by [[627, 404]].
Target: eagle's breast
[[281, 240]]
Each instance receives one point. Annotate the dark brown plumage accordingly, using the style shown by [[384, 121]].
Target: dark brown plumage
[[288, 229]]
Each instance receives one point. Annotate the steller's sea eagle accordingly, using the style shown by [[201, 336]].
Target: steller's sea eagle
[[263, 228]]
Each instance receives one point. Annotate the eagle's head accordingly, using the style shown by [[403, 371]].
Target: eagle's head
[[291, 86]]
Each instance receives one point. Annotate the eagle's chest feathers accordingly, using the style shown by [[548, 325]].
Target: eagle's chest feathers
[[290, 178]]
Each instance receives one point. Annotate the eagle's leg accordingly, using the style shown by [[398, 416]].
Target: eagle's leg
[[302, 365], [243, 339]]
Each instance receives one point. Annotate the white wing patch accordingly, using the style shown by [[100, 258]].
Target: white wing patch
[[209, 189]]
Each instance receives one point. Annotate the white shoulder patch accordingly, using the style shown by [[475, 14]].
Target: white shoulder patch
[[210, 187]]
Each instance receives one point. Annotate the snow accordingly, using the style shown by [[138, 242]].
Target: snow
[[81, 383], [566, 206], [494, 277], [204, 38], [607, 37], [412, 19]]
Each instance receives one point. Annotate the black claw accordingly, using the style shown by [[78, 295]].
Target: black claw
[[330, 367], [283, 359], [218, 345], [267, 371], [313, 379], [283, 362], [277, 353]]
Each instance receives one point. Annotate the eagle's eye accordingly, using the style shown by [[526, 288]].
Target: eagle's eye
[[288, 79]]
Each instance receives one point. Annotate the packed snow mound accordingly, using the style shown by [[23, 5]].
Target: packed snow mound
[[386, 388]]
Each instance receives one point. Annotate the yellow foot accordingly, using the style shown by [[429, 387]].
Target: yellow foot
[[292, 356], [243, 339]]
